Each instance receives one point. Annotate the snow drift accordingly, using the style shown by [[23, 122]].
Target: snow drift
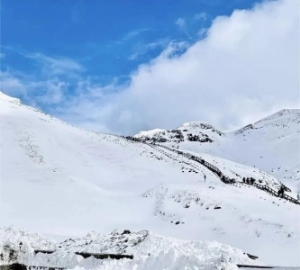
[[150, 251]]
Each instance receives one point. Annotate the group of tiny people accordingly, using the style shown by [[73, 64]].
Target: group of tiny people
[[248, 180], [227, 179], [280, 192]]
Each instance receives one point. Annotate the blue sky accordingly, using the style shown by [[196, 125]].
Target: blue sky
[[110, 38], [54, 51]]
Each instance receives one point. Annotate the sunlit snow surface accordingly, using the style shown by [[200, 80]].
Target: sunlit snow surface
[[62, 181]]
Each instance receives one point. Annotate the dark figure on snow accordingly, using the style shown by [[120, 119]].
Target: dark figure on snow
[[244, 180], [281, 191], [252, 181]]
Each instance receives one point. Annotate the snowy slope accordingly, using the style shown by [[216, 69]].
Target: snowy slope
[[271, 144], [56, 170], [57, 179], [276, 141]]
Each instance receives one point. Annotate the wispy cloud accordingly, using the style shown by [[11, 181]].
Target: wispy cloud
[[188, 25], [2, 55], [56, 65], [135, 33], [131, 35], [143, 49], [180, 22], [202, 16]]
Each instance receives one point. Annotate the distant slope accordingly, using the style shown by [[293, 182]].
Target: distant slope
[[271, 144], [61, 180], [276, 142]]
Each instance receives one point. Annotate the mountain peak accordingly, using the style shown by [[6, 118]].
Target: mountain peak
[[282, 113], [284, 117]]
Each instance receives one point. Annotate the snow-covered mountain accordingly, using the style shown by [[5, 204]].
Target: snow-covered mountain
[[59, 180], [271, 144]]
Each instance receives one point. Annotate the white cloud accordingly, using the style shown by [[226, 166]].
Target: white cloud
[[33, 91], [246, 67], [11, 84]]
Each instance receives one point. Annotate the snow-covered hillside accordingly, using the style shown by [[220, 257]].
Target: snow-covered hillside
[[271, 144], [63, 181]]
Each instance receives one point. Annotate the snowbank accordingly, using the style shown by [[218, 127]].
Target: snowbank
[[18, 245], [150, 251]]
